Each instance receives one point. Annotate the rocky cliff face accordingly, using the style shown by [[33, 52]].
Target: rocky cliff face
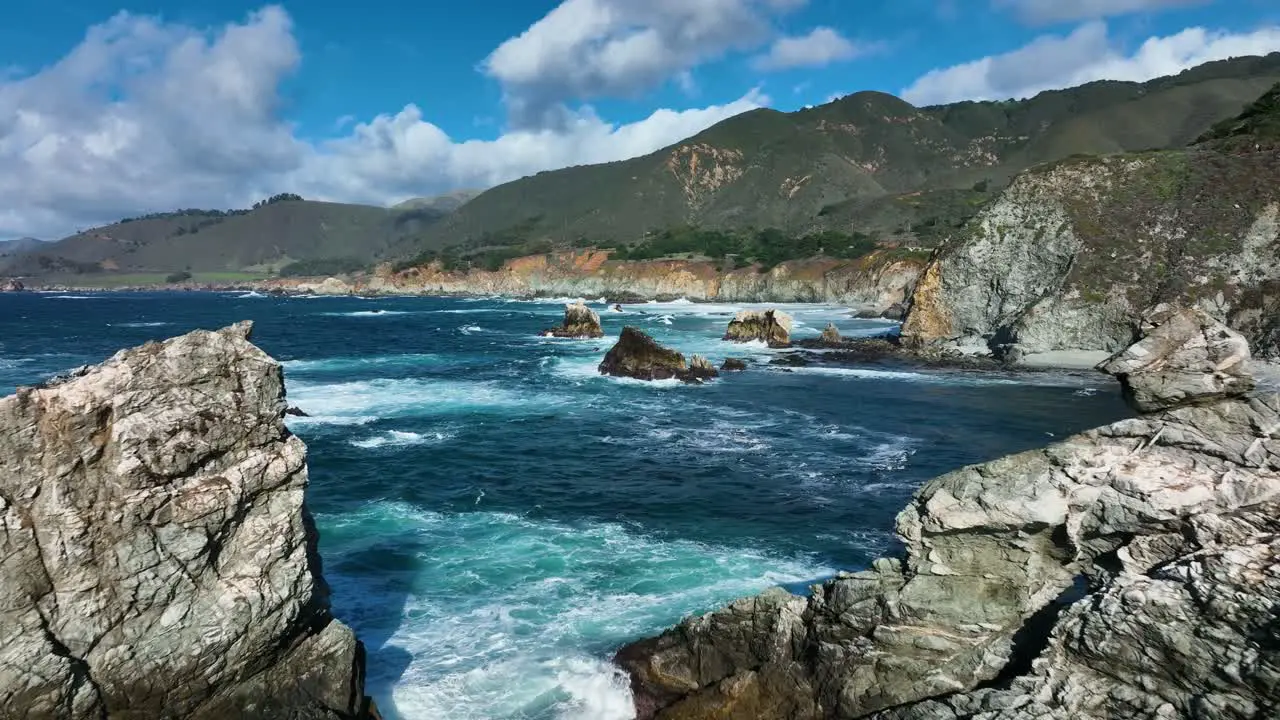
[[876, 282], [156, 556], [1071, 256], [1126, 572]]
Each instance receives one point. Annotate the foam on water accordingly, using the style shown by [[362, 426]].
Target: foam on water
[[368, 313], [399, 439], [506, 616], [376, 362], [138, 324], [73, 297], [353, 402]]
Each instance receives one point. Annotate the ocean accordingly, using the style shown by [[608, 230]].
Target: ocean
[[496, 518]]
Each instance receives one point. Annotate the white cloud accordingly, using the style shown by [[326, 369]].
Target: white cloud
[[145, 116], [592, 48], [1087, 54], [819, 48], [1039, 12]]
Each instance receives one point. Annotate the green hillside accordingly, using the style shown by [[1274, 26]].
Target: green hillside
[[868, 164], [287, 235]]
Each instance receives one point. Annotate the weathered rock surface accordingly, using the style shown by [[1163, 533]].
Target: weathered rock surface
[[772, 327], [580, 322], [156, 556], [11, 285], [1185, 357], [733, 365], [328, 286], [1126, 572], [831, 335], [636, 355]]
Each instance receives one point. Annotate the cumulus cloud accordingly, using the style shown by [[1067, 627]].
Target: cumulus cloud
[[1087, 54], [143, 115], [1041, 12], [593, 48], [819, 48]]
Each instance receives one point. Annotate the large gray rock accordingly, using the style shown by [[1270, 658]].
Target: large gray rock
[[772, 327], [1186, 356], [156, 556], [580, 322], [1126, 514]]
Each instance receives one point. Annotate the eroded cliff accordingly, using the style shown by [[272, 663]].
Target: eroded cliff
[[156, 557], [1126, 572]]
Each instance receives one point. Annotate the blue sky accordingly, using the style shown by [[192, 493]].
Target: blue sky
[[127, 106]]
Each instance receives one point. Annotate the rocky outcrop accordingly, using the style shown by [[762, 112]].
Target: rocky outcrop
[[156, 557], [580, 322], [11, 285], [1072, 255], [772, 327], [831, 335], [638, 356], [1126, 572], [733, 365], [328, 286]]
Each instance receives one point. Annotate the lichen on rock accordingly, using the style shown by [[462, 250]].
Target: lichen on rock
[[156, 556]]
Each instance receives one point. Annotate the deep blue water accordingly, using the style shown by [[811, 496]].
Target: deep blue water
[[496, 518]]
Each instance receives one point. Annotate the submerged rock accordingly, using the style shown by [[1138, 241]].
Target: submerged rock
[[580, 322], [733, 365], [773, 327], [1126, 572], [156, 557], [636, 355], [1186, 356]]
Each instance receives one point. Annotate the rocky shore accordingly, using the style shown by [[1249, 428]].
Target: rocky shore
[[157, 559], [1126, 572]]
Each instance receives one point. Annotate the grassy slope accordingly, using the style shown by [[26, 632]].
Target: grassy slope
[[850, 159]]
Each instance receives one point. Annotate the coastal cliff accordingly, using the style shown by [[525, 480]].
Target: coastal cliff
[[1126, 572], [157, 558], [876, 282], [1071, 254]]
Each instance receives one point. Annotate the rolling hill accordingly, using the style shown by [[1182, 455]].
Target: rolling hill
[[867, 163]]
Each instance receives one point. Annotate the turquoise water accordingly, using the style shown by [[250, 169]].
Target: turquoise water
[[497, 519]]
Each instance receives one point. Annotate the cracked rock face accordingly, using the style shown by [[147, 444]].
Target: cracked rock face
[[1127, 572], [156, 557], [773, 327]]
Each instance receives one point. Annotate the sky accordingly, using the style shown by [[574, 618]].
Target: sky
[[110, 108]]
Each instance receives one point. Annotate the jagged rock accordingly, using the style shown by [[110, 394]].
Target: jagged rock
[[156, 557], [636, 355], [773, 327], [896, 311], [12, 286], [296, 411], [1186, 356], [580, 322], [831, 335], [733, 365], [1165, 522]]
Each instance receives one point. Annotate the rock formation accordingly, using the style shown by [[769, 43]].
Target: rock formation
[[156, 556], [733, 365], [772, 327], [831, 335], [11, 285], [1127, 572], [580, 322], [636, 355]]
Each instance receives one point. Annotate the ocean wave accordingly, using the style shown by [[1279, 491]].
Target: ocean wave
[[347, 364], [399, 438], [470, 329], [138, 324], [251, 294], [74, 297], [340, 403], [368, 313], [494, 616]]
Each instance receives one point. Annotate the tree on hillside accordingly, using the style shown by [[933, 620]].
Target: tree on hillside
[[282, 197]]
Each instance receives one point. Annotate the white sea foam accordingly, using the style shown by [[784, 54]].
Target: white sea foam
[[73, 297], [354, 402], [368, 313], [251, 294], [470, 329], [346, 364], [502, 607], [138, 324], [398, 439]]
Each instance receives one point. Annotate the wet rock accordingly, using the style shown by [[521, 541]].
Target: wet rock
[[772, 327], [831, 335], [580, 322], [896, 311], [1185, 357], [296, 411], [12, 286], [156, 557], [636, 355], [1125, 572], [733, 365]]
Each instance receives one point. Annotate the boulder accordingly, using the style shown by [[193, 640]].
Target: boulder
[[12, 285], [831, 335], [733, 365], [636, 355], [157, 559], [772, 327], [1185, 356], [1125, 572], [580, 322]]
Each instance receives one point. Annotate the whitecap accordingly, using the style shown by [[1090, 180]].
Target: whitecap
[[138, 324], [408, 397], [73, 297], [250, 294], [347, 364], [470, 329], [399, 438], [368, 313]]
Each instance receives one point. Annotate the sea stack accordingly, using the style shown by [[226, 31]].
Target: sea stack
[[1125, 572], [156, 557], [773, 327], [636, 355], [580, 322], [831, 335]]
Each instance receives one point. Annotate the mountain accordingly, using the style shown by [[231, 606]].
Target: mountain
[[1074, 255], [445, 203], [868, 163], [9, 248], [290, 234]]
